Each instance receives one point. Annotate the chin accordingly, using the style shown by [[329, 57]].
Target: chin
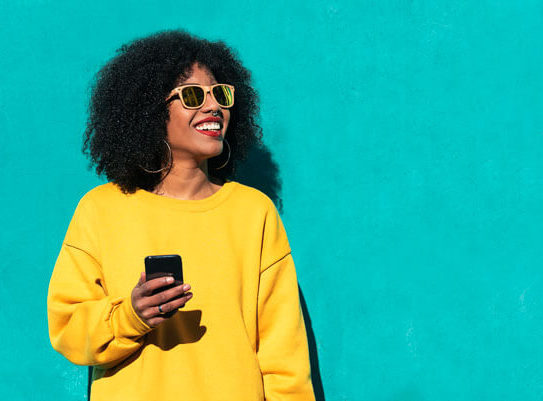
[[213, 151]]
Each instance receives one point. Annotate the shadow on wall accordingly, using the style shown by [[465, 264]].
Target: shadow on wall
[[313, 356], [260, 171]]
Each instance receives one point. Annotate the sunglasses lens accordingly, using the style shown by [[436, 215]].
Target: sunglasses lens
[[193, 96], [224, 95]]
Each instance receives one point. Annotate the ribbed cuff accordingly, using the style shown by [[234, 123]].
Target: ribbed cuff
[[129, 323]]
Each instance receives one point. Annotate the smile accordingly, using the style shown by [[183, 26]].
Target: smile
[[209, 132], [209, 128]]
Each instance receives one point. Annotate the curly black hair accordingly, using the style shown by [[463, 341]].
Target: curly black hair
[[126, 127]]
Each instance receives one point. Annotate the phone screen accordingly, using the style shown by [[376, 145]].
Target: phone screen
[[164, 265]]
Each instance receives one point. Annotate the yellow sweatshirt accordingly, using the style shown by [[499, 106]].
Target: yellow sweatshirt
[[242, 335]]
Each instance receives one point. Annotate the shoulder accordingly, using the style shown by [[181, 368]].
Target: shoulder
[[252, 196], [260, 207], [87, 216], [108, 189], [104, 194]]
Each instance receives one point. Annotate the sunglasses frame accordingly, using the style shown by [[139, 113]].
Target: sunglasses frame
[[176, 92]]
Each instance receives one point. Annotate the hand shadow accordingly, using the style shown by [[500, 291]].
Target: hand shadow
[[182, 328], [166, 336]]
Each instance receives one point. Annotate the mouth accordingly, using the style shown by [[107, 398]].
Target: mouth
[[211, 126]]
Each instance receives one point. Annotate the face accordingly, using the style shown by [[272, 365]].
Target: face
[[187, 142]]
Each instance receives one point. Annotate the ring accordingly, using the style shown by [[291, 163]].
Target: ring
[[160, 309]]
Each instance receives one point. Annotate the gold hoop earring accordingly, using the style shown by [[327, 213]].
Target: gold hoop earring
[[228, 159], [163, 168]]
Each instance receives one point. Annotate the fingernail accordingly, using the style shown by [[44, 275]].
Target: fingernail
[[169, 280], [186, 287]]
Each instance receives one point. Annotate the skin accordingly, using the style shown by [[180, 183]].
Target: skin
[[187, 179]]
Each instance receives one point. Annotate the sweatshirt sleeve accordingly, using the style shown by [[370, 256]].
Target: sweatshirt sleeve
[[282, 347], [86, 325]]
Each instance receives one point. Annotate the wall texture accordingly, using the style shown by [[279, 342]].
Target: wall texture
[[409, 140]]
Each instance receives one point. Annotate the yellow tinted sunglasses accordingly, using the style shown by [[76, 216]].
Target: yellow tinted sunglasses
[[193, 96]]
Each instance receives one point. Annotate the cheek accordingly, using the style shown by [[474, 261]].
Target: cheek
[[180, 119], [227, 119]]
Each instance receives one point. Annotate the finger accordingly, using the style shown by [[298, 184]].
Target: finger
[[149, 286], [167, 307], [176, 303], [155, 321], [136, 293], [167, 295], [142, 279], [159, 311]]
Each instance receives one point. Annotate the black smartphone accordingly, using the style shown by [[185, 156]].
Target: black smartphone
[[164, 265]]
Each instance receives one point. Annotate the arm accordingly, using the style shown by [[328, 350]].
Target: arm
[[282, 348], [86, 325]]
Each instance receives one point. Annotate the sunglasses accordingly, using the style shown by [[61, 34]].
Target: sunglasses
[[193, 96]]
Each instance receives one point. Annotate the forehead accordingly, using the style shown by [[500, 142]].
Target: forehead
[[198, 74]]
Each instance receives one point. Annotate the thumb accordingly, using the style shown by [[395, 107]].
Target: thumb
[[142, 279]]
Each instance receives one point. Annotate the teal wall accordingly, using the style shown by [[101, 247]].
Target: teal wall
[[409, 136]]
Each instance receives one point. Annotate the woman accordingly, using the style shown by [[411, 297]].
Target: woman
[[170, 115]]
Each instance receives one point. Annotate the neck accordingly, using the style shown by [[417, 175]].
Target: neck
[[189, 181]]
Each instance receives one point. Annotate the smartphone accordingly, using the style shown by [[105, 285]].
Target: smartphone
[[164, 265]]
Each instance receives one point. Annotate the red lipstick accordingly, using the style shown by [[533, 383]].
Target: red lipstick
[[210, 119], [214, 133]]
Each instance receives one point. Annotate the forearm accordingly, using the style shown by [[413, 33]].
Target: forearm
[[86, 325], [95, 332]]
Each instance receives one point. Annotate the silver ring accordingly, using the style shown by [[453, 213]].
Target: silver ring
[[160, 309]]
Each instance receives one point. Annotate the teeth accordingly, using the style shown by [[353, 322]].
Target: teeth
[[209, 126]]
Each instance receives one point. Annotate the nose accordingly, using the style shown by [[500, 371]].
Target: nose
[[210, 104]]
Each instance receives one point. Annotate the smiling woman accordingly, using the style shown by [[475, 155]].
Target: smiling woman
[[170, 117]]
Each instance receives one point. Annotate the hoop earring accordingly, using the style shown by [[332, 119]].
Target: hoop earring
[[163, 168], [227, 160]]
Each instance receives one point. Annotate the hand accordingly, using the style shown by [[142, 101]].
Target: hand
[[146, 305]]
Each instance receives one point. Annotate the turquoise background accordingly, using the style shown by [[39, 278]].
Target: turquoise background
[[409, 140]]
